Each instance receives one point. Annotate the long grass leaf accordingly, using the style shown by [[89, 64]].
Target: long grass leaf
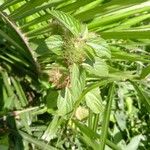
[[142, 96], [93, 135], [106, 117], [127, 34], [36, 142]]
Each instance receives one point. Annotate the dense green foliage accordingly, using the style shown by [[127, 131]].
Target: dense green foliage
[[74, 74]]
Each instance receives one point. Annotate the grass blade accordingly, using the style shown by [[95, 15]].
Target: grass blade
[[142, 95], [106, 117], [36, 142]]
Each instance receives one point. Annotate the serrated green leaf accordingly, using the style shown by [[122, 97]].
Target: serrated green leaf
[[68, 21], [52, 129], [65, 102], [94, 101], [77, 84], [100, 47], [97, 68]]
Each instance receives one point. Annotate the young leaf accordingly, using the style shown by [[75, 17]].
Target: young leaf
[[68, 21], [78, 77]]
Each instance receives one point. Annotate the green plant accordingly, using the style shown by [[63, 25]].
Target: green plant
[[74, 74]]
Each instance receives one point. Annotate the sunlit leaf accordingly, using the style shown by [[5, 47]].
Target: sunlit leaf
[[94, 101]]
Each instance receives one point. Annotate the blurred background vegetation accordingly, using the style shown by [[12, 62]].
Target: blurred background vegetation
[[74, 74]]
